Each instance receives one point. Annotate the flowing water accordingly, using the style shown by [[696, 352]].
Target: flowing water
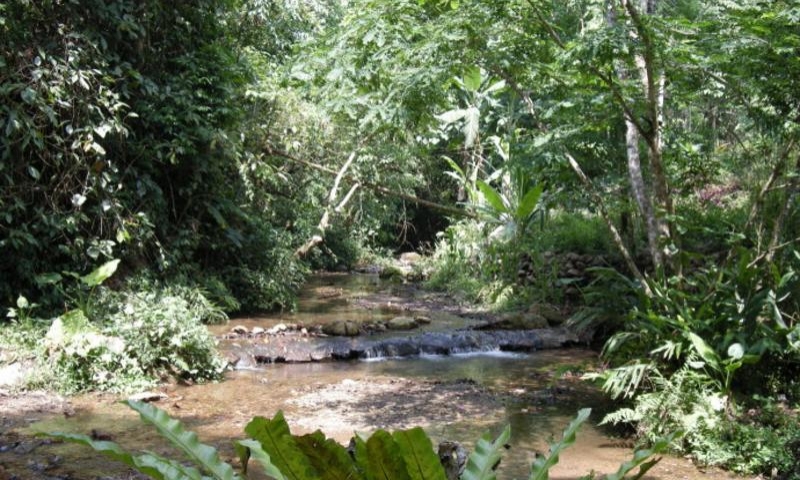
[[455, 397]]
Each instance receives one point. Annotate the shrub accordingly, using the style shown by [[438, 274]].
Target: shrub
[[148, 337]]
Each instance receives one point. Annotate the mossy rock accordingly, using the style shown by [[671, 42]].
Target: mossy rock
[[401, 323], [341, 328], [391, 272]]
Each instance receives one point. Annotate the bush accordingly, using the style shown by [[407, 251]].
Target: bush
[[761, 439], [571, 232], [150, 336]]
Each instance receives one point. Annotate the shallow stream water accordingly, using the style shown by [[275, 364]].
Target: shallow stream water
[[455, 397]]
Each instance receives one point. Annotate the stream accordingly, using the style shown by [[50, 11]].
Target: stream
[[472, 390]]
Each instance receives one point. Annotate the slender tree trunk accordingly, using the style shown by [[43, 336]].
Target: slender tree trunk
[[639, 190], [653, 82]]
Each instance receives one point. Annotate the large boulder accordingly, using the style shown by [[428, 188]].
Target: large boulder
[[341, 328]]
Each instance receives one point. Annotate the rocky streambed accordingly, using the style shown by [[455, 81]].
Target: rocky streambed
[[454, 371]]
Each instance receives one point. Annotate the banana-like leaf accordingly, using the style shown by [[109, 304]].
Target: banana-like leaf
[[529, 202], [204, 456], [251, 448], [328, 457], [472, 125], [481, 462], [472, 79], [642, 459], [451, 116], [384, 458], [417, 450], [278, 442], [492, 198], [540, 470]]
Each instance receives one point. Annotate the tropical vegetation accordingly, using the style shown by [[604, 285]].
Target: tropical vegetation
[[164, 165]]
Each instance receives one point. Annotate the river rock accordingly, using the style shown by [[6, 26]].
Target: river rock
[[257, 331], [391, 272], [519, 321], [422, 320], [410, 258], [401, 323], [240, 330], [341, 328], [550, 313]]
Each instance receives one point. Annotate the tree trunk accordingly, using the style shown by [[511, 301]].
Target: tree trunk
[[639, 190]]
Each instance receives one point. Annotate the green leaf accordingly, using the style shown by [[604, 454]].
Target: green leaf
[[22, 302], [48, 278], [481, 462], [452, 116], [540, 470], [529, 202], [204, 456], [417, 450], [492, 197], [472, 79], [251, 448], [34, 172], [276, 439], [384, 458], [472, 120], [641, 458], [704, 350], [328, 456], [736, 351], [101, 274], [148, 464]]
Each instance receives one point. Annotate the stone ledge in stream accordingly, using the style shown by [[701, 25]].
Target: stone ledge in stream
[[429, 343]]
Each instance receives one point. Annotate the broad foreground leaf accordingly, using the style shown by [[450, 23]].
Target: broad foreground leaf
[[328, 457], [204, 456], [481, 462], [276, 440], [251, 448], [417, 450], [384, 458]]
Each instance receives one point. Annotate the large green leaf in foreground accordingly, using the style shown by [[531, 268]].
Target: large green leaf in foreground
[[204, 456], [481, 462]]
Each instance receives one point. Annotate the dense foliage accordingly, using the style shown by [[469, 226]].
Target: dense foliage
[[637, 158]]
